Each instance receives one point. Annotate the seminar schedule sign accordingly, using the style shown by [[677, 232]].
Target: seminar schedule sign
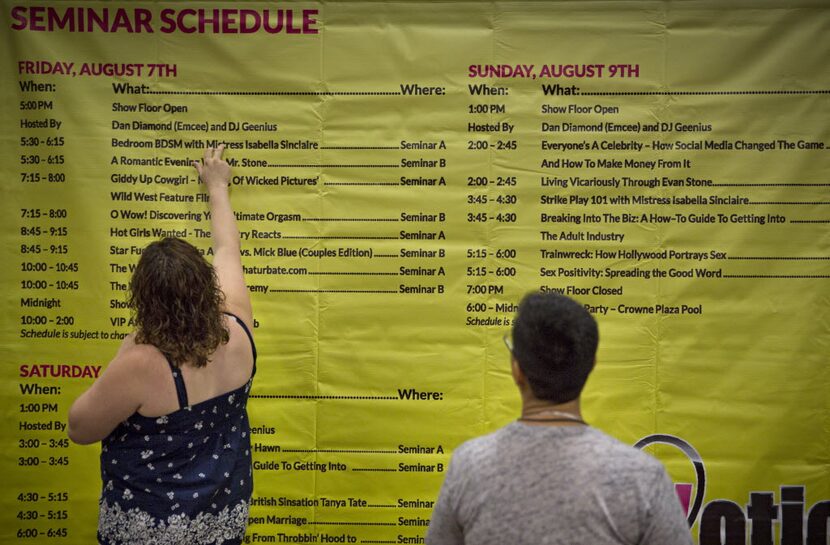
[[403, 172]]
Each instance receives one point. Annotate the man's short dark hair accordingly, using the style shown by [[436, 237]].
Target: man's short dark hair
[[555, 343]]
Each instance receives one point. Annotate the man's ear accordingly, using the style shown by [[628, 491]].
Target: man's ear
[[518, 375]]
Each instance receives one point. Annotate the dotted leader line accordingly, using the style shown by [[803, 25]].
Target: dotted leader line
[[770, 185], [784, 258], [776, 276], [352, 523], [289, 396], [361, 147], [333, 291], [789, 202], [364, 183], [278, 93], [314, 165], [703, 93], [340, 237], [341, 451], [351, 219], [351, 273]]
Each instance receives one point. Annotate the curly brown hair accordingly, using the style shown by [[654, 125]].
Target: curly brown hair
[[177, 303]]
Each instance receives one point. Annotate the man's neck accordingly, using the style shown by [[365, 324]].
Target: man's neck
[[540, 411]]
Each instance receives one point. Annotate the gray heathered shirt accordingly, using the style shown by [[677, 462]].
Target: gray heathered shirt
[[559, 485]]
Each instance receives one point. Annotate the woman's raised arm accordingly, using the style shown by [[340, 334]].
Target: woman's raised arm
[[215, 173]]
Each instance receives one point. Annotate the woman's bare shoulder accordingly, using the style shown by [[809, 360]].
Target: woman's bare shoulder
[[138, 356]]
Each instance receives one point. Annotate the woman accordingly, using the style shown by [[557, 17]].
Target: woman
[[170, 408]]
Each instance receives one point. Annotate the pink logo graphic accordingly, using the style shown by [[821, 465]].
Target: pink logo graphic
[[684, 490]]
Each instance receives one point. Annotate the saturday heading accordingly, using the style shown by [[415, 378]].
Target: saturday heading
[[184, 20]]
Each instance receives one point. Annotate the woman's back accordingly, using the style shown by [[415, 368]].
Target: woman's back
[[183, 475], [229, 368]]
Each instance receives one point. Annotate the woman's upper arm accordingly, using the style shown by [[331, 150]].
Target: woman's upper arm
[[111, 399], [228, 266]]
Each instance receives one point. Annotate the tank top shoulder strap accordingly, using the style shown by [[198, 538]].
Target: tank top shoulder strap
[[178, 379], [248, 333]]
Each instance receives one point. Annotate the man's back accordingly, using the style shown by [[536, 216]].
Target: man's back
[[565, 485]]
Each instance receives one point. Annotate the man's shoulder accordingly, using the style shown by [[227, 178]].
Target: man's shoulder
[[478, 450], [618, 456], [479, 444]]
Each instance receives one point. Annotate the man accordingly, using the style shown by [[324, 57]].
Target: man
[[549, 477]]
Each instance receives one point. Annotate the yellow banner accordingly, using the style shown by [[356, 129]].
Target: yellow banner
[[403, 173]]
